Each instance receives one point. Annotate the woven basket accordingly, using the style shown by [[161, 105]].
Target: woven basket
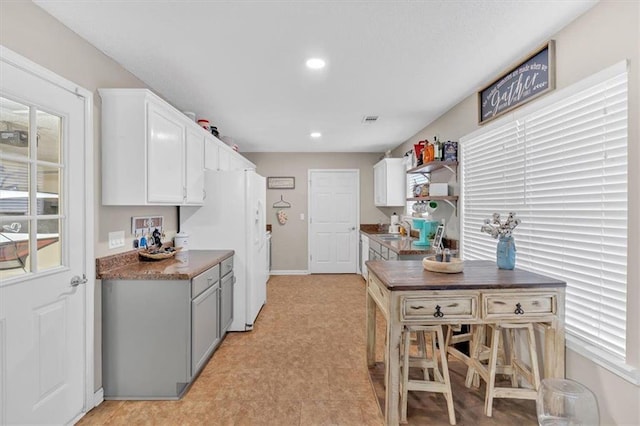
[[160, 255], [453, 267]]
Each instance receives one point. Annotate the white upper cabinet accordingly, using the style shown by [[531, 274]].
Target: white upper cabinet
[[152, 154], [220, 157], [195, 167], [389, 182], [165, 156]]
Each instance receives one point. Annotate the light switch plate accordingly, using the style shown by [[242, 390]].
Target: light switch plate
[[116, 239]]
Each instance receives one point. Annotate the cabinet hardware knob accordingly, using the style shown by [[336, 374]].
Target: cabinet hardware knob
[[438, 313], [519, 310]]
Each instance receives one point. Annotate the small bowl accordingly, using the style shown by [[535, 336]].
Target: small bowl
[[455, 266]]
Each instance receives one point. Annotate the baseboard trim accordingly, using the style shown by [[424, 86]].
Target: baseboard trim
[[288, 272], [98, 397]]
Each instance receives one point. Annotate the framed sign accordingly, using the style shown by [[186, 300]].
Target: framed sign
[[280, 182], [526, 81], [437, 239]]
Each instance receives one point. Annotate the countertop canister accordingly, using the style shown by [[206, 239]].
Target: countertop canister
[[181, 240]]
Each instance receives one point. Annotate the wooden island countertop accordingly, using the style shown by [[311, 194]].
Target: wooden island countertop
[[410, 275]]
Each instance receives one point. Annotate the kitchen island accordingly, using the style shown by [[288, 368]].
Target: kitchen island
[[405, 293]]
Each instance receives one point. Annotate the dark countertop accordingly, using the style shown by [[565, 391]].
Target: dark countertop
[[184, 266], [477, 274], [403, 246]]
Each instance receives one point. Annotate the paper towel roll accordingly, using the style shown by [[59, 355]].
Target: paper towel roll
[[395, 219]]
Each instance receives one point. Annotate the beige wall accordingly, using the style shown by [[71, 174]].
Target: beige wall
[[289, 242], [605, 35], [28, 30]]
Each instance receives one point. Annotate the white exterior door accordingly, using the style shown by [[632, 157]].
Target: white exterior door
[[333, 221], [43, 324]]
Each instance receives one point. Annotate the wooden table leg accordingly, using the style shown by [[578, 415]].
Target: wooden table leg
[[392, 373], [371, 331]]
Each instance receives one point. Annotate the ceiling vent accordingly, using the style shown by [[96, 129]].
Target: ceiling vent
[[369, 119]]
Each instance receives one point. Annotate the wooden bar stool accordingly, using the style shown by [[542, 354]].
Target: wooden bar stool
[[514, 367], [426, 360]]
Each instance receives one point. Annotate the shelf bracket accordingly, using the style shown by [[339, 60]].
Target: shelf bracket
[[452, 170]]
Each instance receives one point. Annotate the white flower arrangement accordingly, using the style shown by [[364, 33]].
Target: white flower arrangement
[[496, 229]]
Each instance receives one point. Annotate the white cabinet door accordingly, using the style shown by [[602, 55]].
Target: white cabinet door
[[389, 182], [211, 154], [165, 155], [380, 183], [194, 172], [224, 159]]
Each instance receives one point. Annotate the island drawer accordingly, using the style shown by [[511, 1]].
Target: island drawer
[[439, 308], [519, 306], [379, 293], [205, 280]]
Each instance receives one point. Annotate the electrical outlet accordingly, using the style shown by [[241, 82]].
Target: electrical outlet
[[116, 239], [301, 216]]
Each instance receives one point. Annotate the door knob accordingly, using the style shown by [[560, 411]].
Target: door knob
[[76, 280]]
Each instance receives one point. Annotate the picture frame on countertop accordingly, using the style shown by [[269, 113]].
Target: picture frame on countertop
[[281, 182], [437, 239]]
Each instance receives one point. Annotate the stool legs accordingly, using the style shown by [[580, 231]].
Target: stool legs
[[441, 382], [515, 367]]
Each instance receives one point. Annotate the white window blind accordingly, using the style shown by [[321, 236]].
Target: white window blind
[[563, 169]]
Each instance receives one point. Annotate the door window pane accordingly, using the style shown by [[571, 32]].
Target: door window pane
[[49, 135], [48, 190], [14, 247], [49, 249], [14, 128], [14, 187]]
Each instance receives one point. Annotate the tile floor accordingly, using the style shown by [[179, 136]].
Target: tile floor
[[303, 364]]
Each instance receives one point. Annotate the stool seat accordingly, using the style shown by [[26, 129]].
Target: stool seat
[[427, 360]]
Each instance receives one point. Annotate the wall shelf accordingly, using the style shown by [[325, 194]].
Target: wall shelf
[[426, 169], [433, 166]]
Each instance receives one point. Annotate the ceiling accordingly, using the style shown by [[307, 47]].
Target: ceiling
[[241, 64]]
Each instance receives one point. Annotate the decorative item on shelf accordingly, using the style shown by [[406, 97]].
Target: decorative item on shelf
[[191, 115], [204, 123], [506, 249], [450, 151], [418, 148]]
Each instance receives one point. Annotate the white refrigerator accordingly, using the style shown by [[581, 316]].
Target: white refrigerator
[[233, 217]]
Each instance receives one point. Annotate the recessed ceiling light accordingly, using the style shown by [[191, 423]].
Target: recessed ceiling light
[[315, 135], [315, 63]]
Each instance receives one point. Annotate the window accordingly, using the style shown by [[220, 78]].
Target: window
[[30, 185], [561, 165]]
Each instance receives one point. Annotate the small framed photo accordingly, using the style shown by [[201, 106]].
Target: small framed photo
[[281, 182], [437, 239]]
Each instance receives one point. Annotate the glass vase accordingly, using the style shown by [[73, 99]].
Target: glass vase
[[506, 253]]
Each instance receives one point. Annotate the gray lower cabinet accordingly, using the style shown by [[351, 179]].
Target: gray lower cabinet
[[158, 334]]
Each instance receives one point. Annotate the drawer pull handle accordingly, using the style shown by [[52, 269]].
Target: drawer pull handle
[[519, 310], [417, 307], [437, 313]]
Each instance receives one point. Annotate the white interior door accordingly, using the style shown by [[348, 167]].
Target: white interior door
[[43, 350], [333, 221]]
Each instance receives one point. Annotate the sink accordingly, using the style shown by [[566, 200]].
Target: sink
[[389, 237]]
